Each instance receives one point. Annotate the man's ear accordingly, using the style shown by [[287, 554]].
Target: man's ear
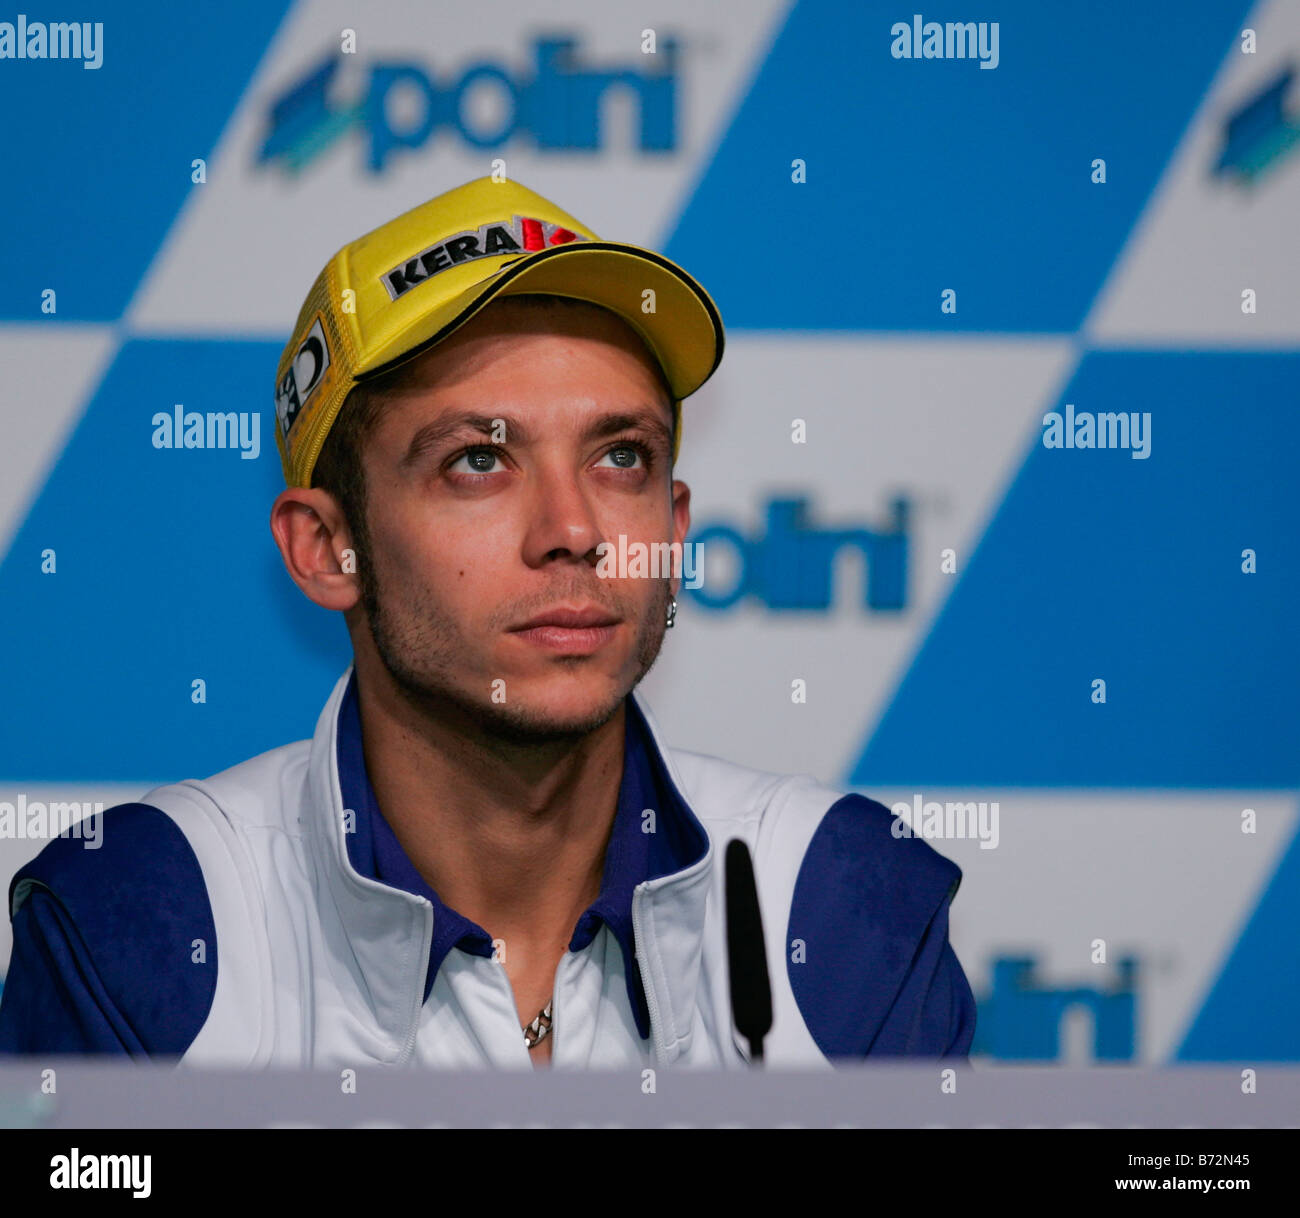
[[316, 546], [681, 520]]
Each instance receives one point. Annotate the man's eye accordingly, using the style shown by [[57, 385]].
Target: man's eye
[[475, 461], [625, 456]]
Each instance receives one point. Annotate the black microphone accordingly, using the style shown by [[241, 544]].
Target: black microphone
[[751, 990]]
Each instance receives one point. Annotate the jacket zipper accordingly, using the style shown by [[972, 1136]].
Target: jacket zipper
[[426, 937], [647, 981]]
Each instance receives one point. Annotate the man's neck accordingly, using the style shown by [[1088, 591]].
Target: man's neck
[[512, 836]]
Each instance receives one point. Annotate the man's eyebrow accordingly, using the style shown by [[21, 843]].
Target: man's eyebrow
[[436, 432], [488, 425], [648, 420]]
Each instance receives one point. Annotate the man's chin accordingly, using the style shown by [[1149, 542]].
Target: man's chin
[[546, 720], [541, 709]]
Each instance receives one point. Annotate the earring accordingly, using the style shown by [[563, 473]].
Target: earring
[[672, 613]]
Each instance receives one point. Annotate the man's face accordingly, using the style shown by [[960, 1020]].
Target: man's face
[[527, 439]]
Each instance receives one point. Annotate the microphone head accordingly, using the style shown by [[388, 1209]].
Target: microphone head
[[751, 990]]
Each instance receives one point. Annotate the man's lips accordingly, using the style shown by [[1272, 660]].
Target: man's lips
[[571, 630], [571, 618]]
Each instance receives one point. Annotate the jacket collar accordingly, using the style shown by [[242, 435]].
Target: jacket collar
[[656, 841]]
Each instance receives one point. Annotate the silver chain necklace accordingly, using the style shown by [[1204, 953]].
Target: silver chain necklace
[[540, 1028]]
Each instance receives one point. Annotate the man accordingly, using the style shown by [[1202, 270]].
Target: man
[[486, 855]]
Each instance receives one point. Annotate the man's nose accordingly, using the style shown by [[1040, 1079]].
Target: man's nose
[[563, 520]]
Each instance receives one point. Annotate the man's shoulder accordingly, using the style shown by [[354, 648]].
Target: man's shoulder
[[860, 908], [113, 934], [117, 925], [135, 842], [263, 791], [720, 790], [161, 845], [798, 819]]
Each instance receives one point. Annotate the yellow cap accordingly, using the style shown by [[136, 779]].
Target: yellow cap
[[388, 296]]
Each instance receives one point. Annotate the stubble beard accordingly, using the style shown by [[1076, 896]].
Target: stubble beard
[[419, 650]]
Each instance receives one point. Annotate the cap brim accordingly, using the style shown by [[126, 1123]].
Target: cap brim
[[679, 322]]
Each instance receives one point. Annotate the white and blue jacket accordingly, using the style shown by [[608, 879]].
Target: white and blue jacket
[[246, 921]]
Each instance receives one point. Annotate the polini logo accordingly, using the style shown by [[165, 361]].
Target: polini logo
[[1263, 130], [557, 102], [791, 565], [1021, 1018]]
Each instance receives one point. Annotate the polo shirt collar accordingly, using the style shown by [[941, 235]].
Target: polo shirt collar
[[654, 834]]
